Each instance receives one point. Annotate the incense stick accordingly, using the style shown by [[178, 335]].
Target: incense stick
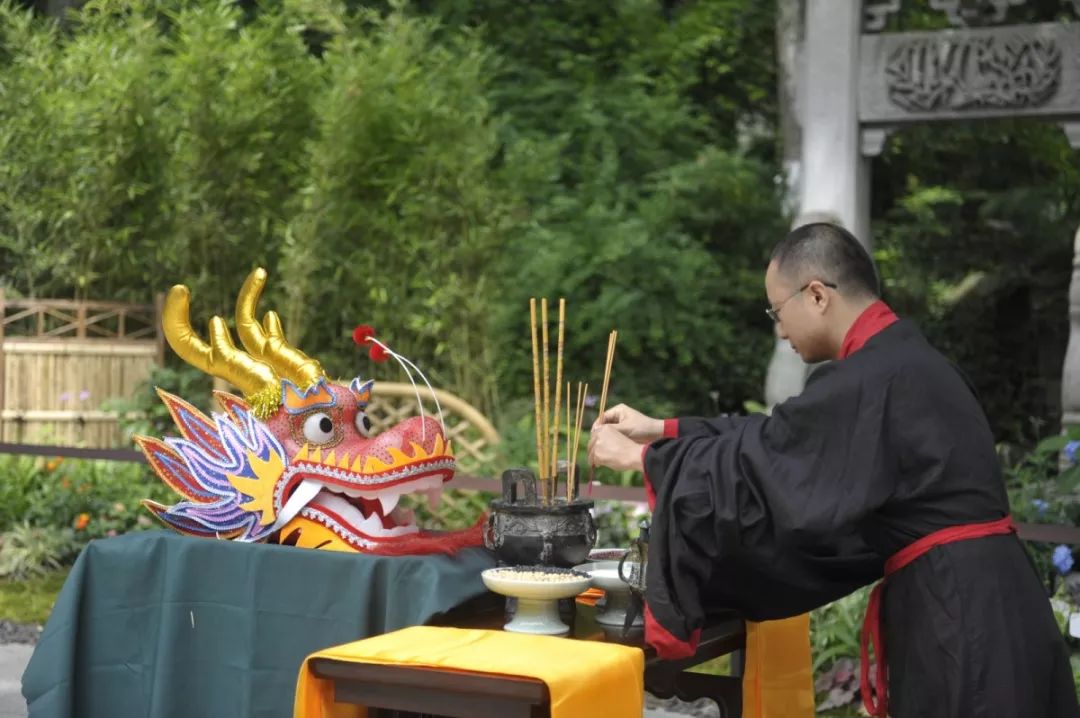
[[569, 457], [558, 393], [536, 388], [546, 473], [612, 338], [582, 391]]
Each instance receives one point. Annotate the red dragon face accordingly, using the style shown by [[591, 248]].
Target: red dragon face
[[310, 471]]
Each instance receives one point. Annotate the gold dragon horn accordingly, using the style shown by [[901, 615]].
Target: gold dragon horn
[[269, 344], [220, 357]]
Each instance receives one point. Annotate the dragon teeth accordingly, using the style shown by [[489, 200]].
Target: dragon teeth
[[301, 497], [343, 463], [398, 456], [389, 500], [432, 496]]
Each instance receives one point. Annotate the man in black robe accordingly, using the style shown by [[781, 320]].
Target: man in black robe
[[885, 463]]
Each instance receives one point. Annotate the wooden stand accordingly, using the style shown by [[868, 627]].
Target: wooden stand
[[409, 691]]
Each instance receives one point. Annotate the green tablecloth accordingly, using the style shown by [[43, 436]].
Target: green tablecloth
[[156, 624]]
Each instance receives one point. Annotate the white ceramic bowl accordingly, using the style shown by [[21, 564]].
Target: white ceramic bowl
[[503, 581], [605, 575], [537, 599]]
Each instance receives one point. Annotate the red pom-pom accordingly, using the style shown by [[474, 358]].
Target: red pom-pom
[[362, 334], [378, 354]]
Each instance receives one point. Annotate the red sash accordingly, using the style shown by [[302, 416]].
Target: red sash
[[871, 629]]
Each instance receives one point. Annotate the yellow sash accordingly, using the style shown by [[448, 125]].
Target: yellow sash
[[584, 678]]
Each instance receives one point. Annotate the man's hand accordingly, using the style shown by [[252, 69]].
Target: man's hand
[[611, 448], [632, 424]]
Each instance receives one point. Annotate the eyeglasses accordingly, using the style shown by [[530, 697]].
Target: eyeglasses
[[774, 312]]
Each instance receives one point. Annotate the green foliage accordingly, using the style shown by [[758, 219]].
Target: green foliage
[[1044, 487], [238, 108], [30, 600], [976, 246], [97, 498], [404, 208], [835, 629], [49, 508], [27, 550], [652, 220], [424, 168], [617, 524]]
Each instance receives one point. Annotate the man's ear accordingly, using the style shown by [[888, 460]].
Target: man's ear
[[819, 295]]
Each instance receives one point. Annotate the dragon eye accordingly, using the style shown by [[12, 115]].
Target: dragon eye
[[363, 424], [318, 428]]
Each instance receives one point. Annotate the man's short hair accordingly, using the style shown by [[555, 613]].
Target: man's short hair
[[828, 253]]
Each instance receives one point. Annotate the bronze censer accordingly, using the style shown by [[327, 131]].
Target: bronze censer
[[525, 530]]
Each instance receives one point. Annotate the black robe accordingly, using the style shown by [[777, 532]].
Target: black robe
[[774, 516]]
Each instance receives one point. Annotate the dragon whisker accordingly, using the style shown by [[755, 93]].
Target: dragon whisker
[[419, 403]]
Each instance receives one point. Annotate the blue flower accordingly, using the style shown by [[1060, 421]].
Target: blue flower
[[1062, 559], [1040, 506], [1070, 450]]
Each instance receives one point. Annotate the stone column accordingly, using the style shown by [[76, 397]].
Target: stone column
[[834, 174], [1070, 374]]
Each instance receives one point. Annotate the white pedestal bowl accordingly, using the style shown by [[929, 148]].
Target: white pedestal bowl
[[605, 576], [537, 590]]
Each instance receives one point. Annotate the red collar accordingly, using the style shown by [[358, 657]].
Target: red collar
[[873, 319]]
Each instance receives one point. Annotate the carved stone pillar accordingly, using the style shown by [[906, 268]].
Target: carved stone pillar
[[835, 175], [1070, 375]]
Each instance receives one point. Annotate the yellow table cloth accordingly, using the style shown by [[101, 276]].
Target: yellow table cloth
[[778, 680], [585, 679]]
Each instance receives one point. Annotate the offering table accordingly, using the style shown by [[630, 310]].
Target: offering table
[[409, 691]]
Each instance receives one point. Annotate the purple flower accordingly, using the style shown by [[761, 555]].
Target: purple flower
[[592, 400], [1062, 559], [1040, 506], [1070, 450], [84, 395], [65, 397]]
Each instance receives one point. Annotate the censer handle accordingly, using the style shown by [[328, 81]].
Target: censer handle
[[510, 480], [489, 532]]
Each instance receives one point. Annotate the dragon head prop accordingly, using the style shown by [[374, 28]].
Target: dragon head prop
[[296, 461]]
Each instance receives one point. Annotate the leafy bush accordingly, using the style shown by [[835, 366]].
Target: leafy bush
[[95, 498], [835, 629], [405, 208], [403, 167], [27, 550]]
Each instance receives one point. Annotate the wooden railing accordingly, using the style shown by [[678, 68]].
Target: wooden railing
[[52, 348], [75, 319]]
